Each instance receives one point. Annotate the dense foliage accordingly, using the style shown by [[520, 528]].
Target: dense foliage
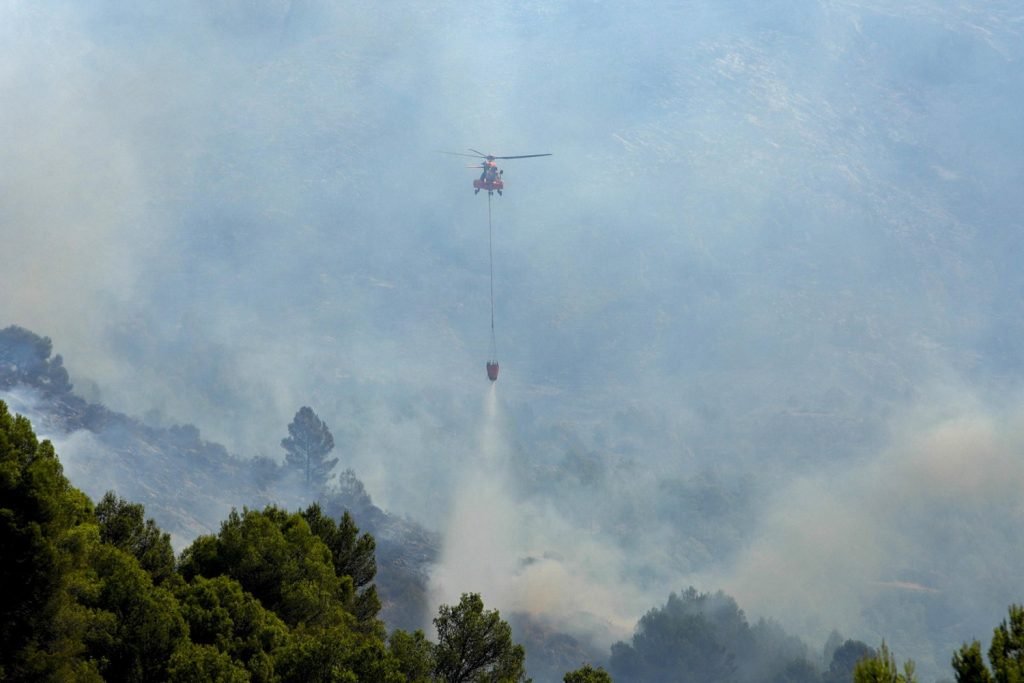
[[882, 668], [474, 644], [587, 674], [706, 638], [25, 358], [1006, 654], [273, 596]]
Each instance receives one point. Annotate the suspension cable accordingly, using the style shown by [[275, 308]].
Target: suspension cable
[[490, 245]]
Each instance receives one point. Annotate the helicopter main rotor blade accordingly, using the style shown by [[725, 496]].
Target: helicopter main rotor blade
[[525, 156], [460, 154], [478, 154]]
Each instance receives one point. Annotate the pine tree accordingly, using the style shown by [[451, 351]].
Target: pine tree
[[587, 674], [308, 445], [353, 555], [1007, 649], [969, 665], [474, 644], [1006, 654], [882, 668]]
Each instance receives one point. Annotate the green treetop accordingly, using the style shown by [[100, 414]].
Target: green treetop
[[881, 668], [474, 644], [587, 674], [1006, 654]]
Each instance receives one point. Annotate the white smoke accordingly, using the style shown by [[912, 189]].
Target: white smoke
[[522, 557], [870, 546]]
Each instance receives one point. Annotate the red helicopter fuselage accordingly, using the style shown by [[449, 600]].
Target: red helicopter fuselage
[[489, 185]]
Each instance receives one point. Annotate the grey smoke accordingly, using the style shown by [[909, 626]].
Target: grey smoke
[[740, 310]]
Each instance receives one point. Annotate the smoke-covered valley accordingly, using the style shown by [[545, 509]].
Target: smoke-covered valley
[[758, 316]]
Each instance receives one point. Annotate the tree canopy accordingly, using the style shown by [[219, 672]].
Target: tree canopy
[[844, 661], [474, 644], [881, 668], [25, 358], [706, 637], [122, 525], [587, 674], [273, 596], [352, 555], [1006, 654]]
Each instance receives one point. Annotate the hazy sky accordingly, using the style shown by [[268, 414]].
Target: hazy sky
[[779, 242]]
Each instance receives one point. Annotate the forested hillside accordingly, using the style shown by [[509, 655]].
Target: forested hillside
[[264, 571], [279, 596], [273, 596], [189, 484]]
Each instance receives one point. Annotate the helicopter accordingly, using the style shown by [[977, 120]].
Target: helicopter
[[491, 177]]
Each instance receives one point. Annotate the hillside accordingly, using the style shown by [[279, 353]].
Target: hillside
[[189, 485]]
